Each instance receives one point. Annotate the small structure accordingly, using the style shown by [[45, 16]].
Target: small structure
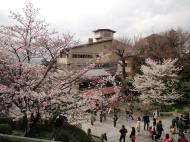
[[103, 34], [94, 73]]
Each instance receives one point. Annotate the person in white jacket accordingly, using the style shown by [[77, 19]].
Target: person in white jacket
[[138, 125]]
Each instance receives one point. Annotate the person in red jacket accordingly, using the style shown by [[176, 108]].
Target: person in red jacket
[[182, 139], [133, 135], [167, 138]]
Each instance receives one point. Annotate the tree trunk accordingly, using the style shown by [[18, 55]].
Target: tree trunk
[[124, 74], [25, 121]]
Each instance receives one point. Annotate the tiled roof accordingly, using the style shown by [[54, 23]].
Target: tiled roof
[[93, 43], [105, 90], [96, 73], [104, 30]]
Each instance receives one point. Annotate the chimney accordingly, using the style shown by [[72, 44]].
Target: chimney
[[90, 40]]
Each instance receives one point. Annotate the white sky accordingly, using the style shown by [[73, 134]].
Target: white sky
[[127, 17]]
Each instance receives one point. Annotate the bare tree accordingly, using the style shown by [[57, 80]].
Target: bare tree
[[123, 49], [169, 44]]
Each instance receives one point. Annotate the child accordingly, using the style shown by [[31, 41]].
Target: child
[[172, 130], [154, 134], [150, 131]]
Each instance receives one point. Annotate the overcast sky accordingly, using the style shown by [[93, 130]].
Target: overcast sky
[[127, 17]]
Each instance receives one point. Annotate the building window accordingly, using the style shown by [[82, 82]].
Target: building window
[[63, 55], [107, 34], [81, 56]]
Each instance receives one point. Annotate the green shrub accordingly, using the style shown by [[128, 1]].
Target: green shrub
[[5, 129], [66, 133], [62, 136], [166, 114], [38, 130], [70, 133], [184, 110], [7, 120], [20, 124], [42, 132], [145, 107], [167, 108]]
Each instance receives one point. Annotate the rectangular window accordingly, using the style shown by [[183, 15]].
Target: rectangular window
[[81, 56]]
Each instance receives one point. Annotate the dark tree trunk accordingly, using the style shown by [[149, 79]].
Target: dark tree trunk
[[124, 74]]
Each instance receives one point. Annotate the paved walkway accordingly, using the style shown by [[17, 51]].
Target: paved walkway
[[113, 133]]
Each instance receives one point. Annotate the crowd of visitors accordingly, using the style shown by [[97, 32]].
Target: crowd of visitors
[[155, 129], [179, 125]]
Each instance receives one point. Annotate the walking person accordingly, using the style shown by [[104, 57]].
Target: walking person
[[123, 132], [180, 126], [131, 107], [133, 135], [104, 137], [155, 114], [174, 121], [154, 135], [154, 122], [138, 125], [127, 114], [131, 115], [89, 132], [159, 129], [146, 120], [104, 115], [101, 116], [92, 118], [115, 118], [177, 119]]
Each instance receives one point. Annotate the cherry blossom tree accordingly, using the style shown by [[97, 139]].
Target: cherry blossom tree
[[41, 88], [36, 87], [98, 100], [158, 81]]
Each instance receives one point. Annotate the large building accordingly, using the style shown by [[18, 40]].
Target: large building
[[102, 43]]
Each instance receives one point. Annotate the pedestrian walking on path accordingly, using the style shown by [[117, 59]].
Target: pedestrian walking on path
[[101, 116], [138, 125], [146, 120], [181, 125], [155, 114], [133, 135], [159, 129], [104, 115], [92, 118], [174, 121], [89, 132], [123, 132], [154, 122], [104, 137], [154, 135], [115, 118]]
